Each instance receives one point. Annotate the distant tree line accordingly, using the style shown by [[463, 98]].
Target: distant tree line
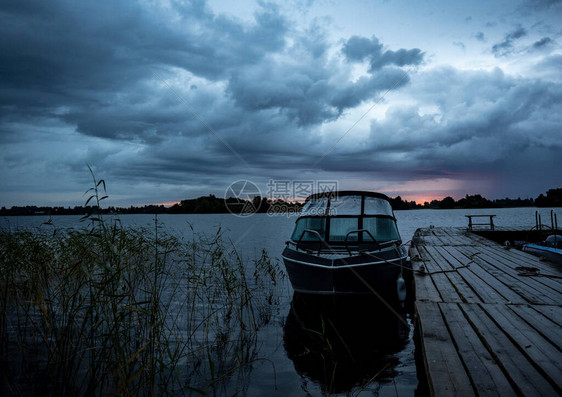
[[553, 198], [81, 210], [213, 205], [201, 205]]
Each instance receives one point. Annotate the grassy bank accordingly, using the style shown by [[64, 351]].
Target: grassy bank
[[114, 310]]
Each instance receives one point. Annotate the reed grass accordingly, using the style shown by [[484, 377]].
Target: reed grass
[[107, 310]]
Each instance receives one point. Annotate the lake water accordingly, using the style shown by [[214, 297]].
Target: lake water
[[383, 350]]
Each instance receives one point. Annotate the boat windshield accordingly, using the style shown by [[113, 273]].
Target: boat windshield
[[333, 218], [381, 228], [316, 224], [315, 207], [339, 227], [377, 206], [345, 205]]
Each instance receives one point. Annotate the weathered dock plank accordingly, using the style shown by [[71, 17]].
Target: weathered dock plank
[[486, 375], [446, 373], [486, 327], [491, 289], [534, 346], [521, 373], [541, 323], [462, 288], [424, 285], [472, 276], [528, 288], [553, 313]]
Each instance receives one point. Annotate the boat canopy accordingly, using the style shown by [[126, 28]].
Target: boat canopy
[[338, 205], [346, 217]]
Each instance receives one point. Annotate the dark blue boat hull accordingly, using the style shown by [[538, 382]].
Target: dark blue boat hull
[[360, 274]]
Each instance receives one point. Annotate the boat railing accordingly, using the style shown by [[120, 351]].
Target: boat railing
[[358, 231], [553, 221], [321, 241], [344, 245], [324, 247]]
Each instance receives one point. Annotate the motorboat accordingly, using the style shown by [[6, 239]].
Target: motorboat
[[550, 248], [347, 242]]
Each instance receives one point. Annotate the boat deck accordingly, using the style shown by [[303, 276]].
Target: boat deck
[[489, 318]]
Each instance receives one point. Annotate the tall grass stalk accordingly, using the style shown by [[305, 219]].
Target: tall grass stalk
[[115, 310]]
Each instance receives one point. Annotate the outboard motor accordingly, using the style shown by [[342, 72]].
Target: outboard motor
[[554, 241]]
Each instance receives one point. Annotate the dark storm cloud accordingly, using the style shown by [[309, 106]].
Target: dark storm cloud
[[552, 63], [91, 58], [361, 48], [542, 42], [150, 94], [506, 46], [483, 122], [105, 67], [478, 123], [307, 88], [480, 36], [306, 93], [97, 45], [542, 4]]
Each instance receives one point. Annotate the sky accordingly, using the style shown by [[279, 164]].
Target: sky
[[169, 100]]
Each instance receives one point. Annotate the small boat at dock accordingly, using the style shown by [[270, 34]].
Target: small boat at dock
[[550, 249], [344, 243]]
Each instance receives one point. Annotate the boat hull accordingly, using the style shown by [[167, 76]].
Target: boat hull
[[360, 274], [549, 253]]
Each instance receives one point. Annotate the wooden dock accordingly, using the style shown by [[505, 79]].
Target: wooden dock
[[488, 324]]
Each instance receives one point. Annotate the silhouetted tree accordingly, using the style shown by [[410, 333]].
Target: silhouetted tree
[[447, 203], [553, 198]]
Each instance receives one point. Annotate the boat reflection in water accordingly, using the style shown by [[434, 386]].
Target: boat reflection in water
[[344, 342]]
